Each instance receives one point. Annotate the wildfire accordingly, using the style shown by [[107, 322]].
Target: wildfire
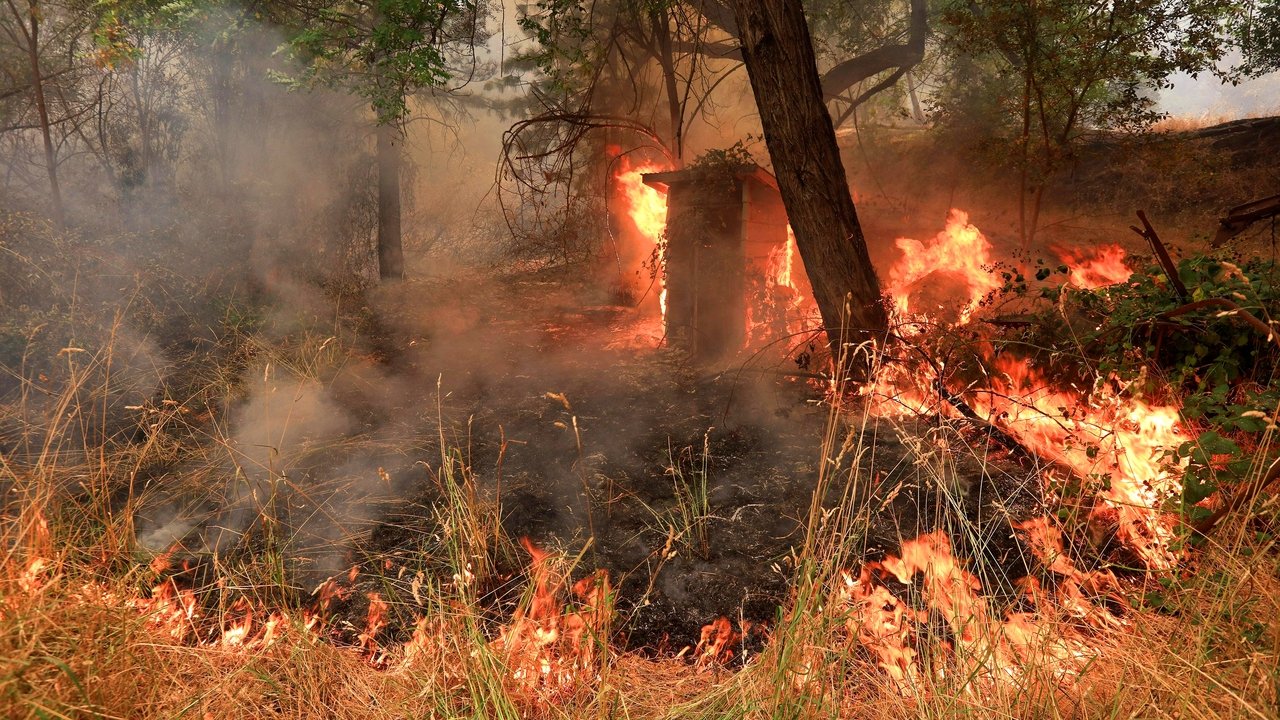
[[646, 210], [1121, 442], [716, 642], [555, 642], [787, 303], [782, 260], [174, 611], [545, 647], [1101, 434], [549, 649], [985, 646], [1095, 433], [1091, 270], [957, 262], [1115, 444], [898, 390]]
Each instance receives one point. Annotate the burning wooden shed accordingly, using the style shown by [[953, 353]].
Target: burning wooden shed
[[732, 276]]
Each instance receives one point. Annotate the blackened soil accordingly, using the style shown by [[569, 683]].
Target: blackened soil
[[689, 484], [590, 437]]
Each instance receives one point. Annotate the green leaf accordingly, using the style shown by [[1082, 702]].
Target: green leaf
[[1196, 486]]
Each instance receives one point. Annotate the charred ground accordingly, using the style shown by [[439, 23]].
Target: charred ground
[[584, 434]]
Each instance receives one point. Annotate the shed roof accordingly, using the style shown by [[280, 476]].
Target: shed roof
[[662, 180]]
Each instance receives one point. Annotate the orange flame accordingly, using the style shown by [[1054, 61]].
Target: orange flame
[[1091, 270], [899, 390], [1124, 439], [646, 209], [786, 286], [171, 609], [1092, 433], [375, 621], [719, 642], [987, 648], [646, 205], [782, 259], [959, 256], [550, 651]]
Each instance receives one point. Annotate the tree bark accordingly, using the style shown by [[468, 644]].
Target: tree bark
[[37, 84], [390, 248], [221, 103], [917, 113], [806, 160]]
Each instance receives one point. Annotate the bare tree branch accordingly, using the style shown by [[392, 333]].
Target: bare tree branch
[[901, 56]]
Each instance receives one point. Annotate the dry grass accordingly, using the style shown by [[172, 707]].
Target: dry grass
[[69, 654], [1187, 123]]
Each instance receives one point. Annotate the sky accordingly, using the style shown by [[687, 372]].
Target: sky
[[1206, 96]]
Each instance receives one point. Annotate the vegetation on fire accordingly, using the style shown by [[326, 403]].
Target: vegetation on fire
[[242, 475], [1196, 349], [251, 636]]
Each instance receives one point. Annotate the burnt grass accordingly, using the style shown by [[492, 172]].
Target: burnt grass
[[639, 410]]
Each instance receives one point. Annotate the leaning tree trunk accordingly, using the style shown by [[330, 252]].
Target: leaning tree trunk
[[390, 249], [779, 57]]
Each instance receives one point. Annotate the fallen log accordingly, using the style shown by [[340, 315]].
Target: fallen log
[[1239, 218], [1017, 450]]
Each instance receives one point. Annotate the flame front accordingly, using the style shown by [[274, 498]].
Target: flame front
[[1094, 433], [550, 651], [1116, 444], [787, 301], [1097, 434], [554, 644], [984, 647], [646, 205]]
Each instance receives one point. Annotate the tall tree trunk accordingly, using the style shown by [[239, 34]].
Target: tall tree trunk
[[1024, 231], [37, 84], [390, 249], [779, 57]]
